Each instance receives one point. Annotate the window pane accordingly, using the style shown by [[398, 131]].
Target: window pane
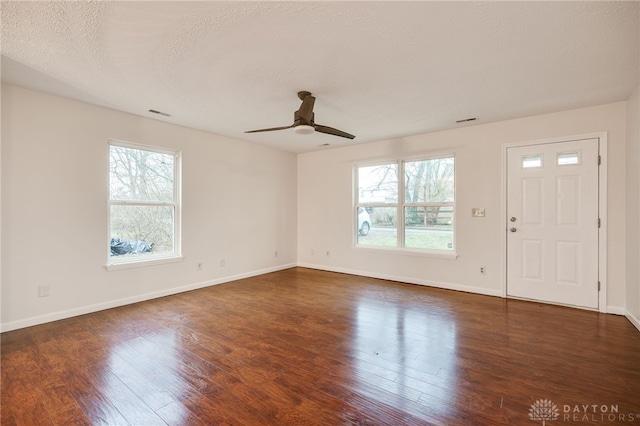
[[429, 181], [140, 175], [141, 230], [378, 184], [530, 161], [429, 227], [378, 226], [568, 158]]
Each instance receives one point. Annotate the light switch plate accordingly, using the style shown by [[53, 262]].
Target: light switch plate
[[477, 212]]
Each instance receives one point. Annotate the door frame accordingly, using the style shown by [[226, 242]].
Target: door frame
[[602, 208]]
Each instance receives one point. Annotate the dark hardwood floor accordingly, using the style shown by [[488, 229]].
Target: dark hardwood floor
[[305, 347]]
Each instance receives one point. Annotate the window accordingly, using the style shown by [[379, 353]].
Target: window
[[568, 158], [144, 209], [532, 161], [416, 212]]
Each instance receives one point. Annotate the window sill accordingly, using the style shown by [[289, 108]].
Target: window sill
[[142, 263], [409, 252]]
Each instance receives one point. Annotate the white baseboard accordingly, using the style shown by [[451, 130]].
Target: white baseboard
[[409, 280], [635, 321], [55, 316], [616, 310]]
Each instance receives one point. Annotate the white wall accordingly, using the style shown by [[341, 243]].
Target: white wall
[[239, 203], [325, 201], [633, 208]]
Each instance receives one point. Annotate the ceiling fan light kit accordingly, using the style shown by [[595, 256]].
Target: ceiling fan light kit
[[303, 120], [303, 129]]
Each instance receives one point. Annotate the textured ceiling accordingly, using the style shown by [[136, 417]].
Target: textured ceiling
[[379, 70]]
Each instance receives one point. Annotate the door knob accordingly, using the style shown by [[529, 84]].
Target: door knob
[[513, 229], [513, 219]]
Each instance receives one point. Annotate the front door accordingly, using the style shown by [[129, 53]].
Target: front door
[[552, 222]]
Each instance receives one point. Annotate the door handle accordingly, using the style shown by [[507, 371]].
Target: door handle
[[513, 229], [513, 219]]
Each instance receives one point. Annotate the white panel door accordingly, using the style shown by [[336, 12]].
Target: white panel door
[[552, 222]]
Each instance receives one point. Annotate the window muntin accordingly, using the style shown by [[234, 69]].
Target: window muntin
[[143, 203], [422, 220]]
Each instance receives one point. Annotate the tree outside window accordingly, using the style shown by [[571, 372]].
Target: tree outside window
[[415, 212], [143, 202]]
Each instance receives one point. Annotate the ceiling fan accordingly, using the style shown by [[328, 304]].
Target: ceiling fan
[[303, 120]]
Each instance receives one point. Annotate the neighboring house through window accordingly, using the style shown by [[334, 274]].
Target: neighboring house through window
[[144, 203], [416, 212]]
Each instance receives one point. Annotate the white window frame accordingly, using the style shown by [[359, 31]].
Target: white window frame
[[400, 206], [115, 262]]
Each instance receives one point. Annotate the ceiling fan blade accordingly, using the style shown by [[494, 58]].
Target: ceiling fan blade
[[269, 130], [305, 113], [332, 131]]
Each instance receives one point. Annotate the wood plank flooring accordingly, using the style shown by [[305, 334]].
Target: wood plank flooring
[[306, 347]]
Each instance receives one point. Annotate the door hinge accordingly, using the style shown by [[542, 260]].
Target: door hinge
[[599, 223], [599, 160], [598, 285]]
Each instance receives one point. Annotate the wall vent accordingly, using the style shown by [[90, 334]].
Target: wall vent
[[159, 113]]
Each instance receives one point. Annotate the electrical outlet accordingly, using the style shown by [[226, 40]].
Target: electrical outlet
[[199, 267], [44, 291], [275, 254], [328, 253], [483, 270], [223, 263]]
